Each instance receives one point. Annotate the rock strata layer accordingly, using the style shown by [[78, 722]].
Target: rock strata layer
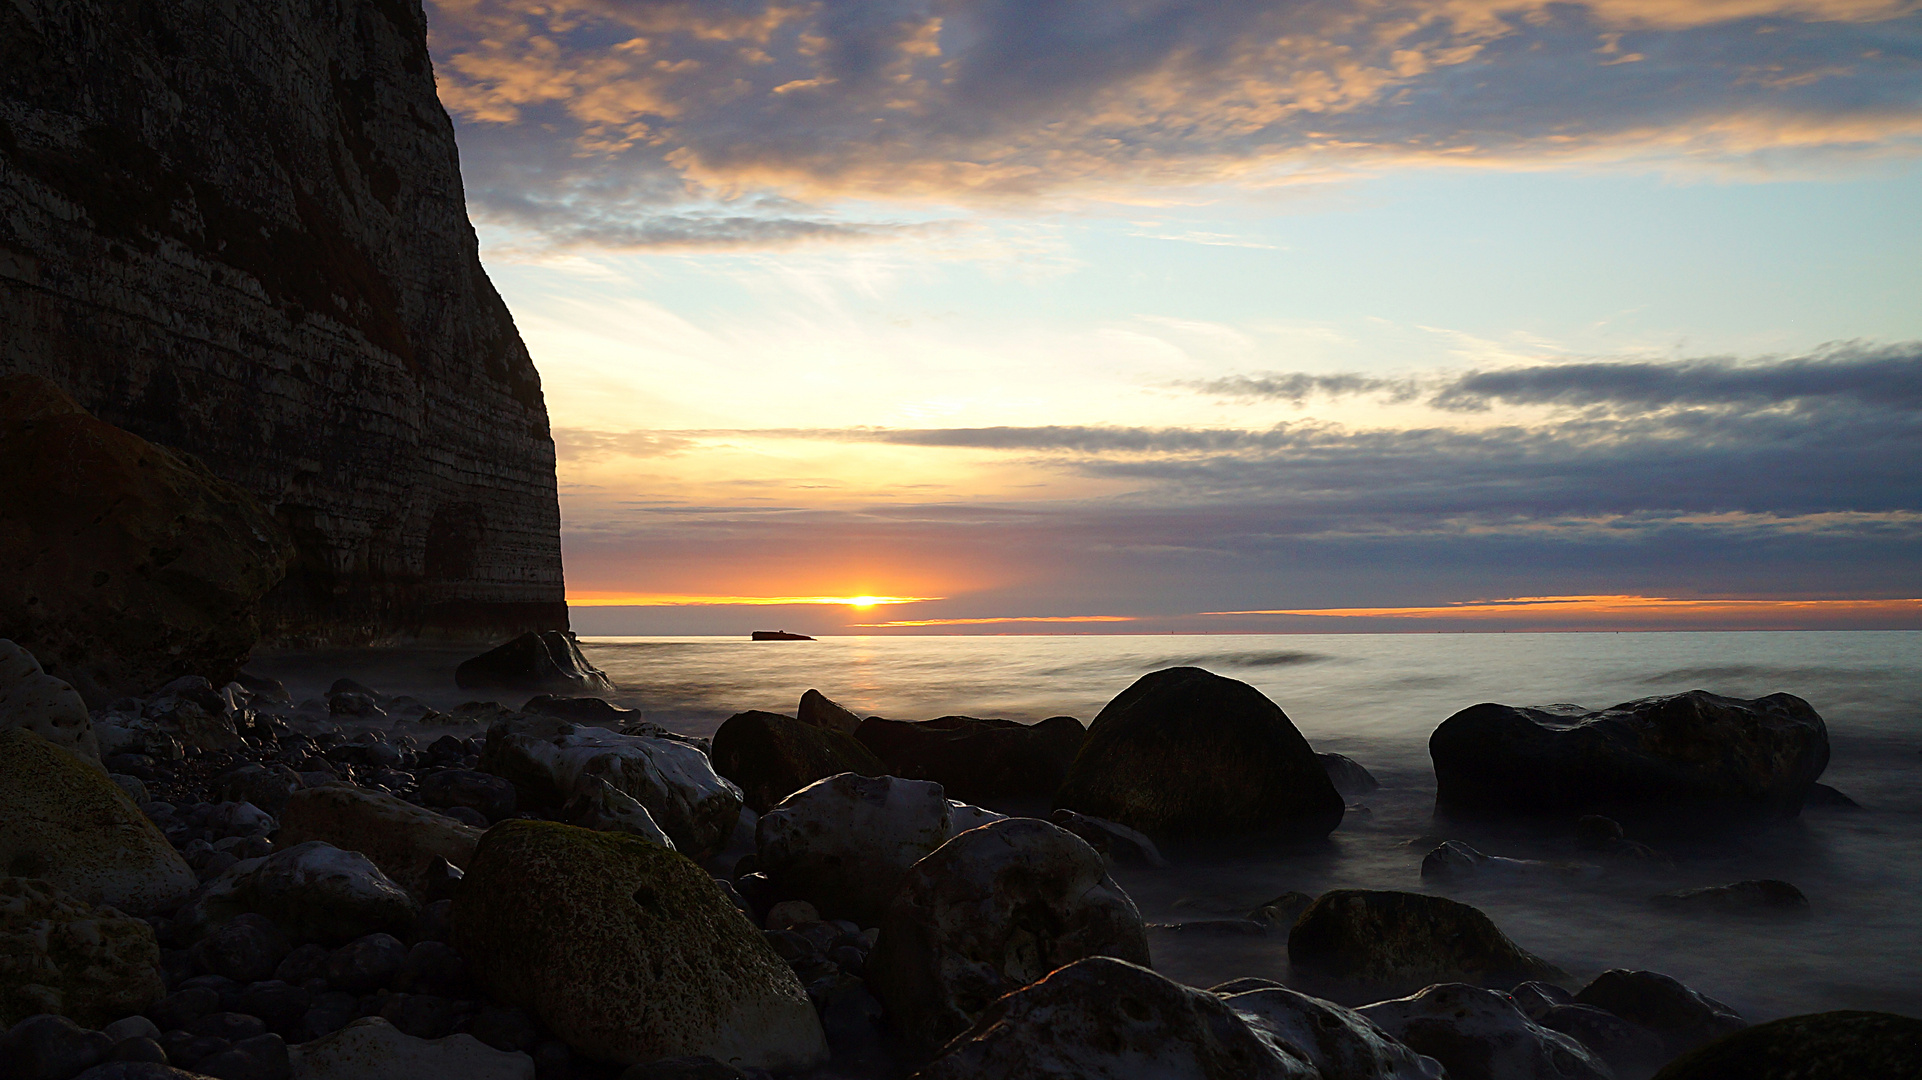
[[236, 228]]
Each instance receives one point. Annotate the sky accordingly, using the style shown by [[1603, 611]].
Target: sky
[[889, 316]]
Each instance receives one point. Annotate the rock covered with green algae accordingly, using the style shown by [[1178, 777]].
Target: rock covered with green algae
[[61, 955], [1362, 942], [66, 822], [627, 951]]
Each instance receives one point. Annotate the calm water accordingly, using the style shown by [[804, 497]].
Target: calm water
[[1376, 699]]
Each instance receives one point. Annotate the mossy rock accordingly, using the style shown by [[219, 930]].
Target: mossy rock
[[67, 823], [1359, 944], [1847, 1045], [770, 756], [627, 951], [61, 955]]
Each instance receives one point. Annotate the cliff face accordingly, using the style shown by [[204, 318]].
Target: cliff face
[[237, 228]]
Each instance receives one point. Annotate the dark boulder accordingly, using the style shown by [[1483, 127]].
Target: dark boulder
[[818, 709], [1347, 775], [1629, 1049], [492, 797], [1353, 943], [1764, 896], [1681, 1017], [1846, 1045], [546, 660], [1695, 749], [1187, 752], [770, 756], [582, 710], [974, 760], [1480, 1034]]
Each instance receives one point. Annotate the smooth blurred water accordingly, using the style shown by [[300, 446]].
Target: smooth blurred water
[[1376, 698]]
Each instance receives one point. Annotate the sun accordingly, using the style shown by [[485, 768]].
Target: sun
[[864, 601]]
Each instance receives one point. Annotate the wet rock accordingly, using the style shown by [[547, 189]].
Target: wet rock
[[1748, 756], [1628, 1049], [550, 761], [59, 954], [819, 710], [373, 1049], [1824, 795], [844, 843], [313, 891], [1361, 941], [989, 912], [1453, 860], [583, 710], [1105, 1019], [548, 660], [1339, 1042], [1187, 752], [977, 760], [47, 1047], [401, 838], [32, 699], [265, 786], [1760, 897], [1479, 1034], [489, 795], [71, 826], [245, 948], [1347, 775], [1282, 911], [627, 951], [127, 565], [1847, 1045], [599, 806], [1111, 838], [1681, 1017], [366, 963], [769, 756]]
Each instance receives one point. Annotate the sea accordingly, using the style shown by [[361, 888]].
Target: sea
[[1376, 698]]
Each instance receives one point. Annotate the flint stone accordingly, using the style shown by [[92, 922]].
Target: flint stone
[[1747, 756], [1846, 1045], [1681, 1017], [32, 699], [1185, 752], [1361, 941], [546, 660], [602, 808], [373, 1049], [1106, 1019], [844, 843], [769, 756], [989, 912], [1479, 1034], [551, 761], [1339, 1042], [1764, 896], [313, 891], [819, 710], [401, 838], [491, 796], [977, 760], [627, 951]]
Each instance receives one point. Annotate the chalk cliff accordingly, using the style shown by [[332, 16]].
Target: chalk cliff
[[237, 228]]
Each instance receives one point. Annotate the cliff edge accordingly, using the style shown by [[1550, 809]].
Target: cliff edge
[[236, 228]]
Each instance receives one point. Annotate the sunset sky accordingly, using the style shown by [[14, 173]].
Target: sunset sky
[[1214, 316]]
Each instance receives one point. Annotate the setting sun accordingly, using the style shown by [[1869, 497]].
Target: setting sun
[[866, 601]]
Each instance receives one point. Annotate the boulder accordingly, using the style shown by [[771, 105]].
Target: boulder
[[1681, 1017], [32, 699], [1631, 1050], [492, 797], [1281, 912], [817, 709], [402, 839], [246, 948], [373, 1049], [313, 891], [1111, 838], [977, 760], [1693, 749], [1347, 775], [604, 809], [1106, 1019], [545, 660], [769, 756], [627, 951], [127, 564], [964, 816], [583, 710], [1764, 896], [69, 824], [551, 761], [266, 786], [844, 843], [989, 912], [59, 954], [1847, 1045], [1186, 752], [1339, 1042], [1355, 942], [49, 1047], [1453, 860], [137, 1070], [1480, 1034]]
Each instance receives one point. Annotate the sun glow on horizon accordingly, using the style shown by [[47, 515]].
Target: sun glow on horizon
[[595, 598]]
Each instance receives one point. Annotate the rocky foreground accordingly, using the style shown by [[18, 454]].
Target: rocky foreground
[[219, 882]]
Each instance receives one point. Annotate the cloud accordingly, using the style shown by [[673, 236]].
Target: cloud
[[577, 115]]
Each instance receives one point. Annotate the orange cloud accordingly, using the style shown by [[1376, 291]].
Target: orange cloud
[[601, 598], [1537, 609], [1003, 619]]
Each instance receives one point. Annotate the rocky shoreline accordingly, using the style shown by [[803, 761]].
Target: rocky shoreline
[[221, 882]]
